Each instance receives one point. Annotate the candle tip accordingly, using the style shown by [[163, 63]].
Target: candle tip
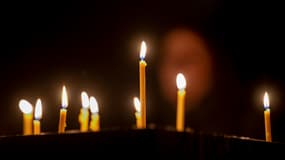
[[38, 109], [266, 100], [180, 81], [137, 104], [93, 105], [84, 99], [25, 106], [143, 50], [64, 98]]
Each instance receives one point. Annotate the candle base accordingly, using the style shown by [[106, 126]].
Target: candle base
[[158, 143]]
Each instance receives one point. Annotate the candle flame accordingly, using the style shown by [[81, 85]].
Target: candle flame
[[137, 104], [64, 98], [143, 50], [84, 100], [266, 100], [93, 105], [180, 81], [25, 106], [38, 109]]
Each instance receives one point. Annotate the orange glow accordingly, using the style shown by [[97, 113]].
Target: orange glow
[[84, 100], [137, 104], [38, 110], [266, 100], [64, 98], [25, 106], [143, 50], [93, 105], [180, 81]]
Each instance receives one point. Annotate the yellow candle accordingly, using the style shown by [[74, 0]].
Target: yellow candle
[[267, 118], [142, 66], [63, 111], [181, 85], [138, 114], [38, 116], [27, 110], [95, 118], [84, 113], [37, 127]]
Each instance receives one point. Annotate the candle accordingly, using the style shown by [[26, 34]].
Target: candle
[[63, 111], [27, 110], [38, 116], [267, 117], [181, 85], [95, 118], [84, 112], [138, 114], [142, 66]]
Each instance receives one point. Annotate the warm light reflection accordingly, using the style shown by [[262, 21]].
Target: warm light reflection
[[143, 50], [266, 100], [25, 106], [84, 100], [38, 109], [93, 105], [180, 81], [137, 104], [64, 98]]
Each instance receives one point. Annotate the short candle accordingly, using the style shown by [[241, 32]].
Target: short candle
[[27, 109], [38, 116], [95, 118]]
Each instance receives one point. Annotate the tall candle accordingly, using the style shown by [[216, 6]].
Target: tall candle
[[84, 112], [267, 117], [95, 118], [138, 114], [142, 66], [38, 116], [63, 111], [181, 85], [27, 110]]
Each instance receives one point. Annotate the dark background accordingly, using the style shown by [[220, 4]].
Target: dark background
[[94, 47]]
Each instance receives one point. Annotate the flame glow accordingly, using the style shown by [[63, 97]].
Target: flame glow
[[64, 98], [180, 81], [143, 50], [93, 105], [137, 104], [84, 100], [266, 100], [38, 109], [25, 106]]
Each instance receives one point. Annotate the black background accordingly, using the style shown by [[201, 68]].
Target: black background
[[94, 47]]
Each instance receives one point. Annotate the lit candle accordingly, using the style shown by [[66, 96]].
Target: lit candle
[[142, 66], [27, 110], [267, 117], [38, 116], [84, 112], [181, 85], [138, 114], [63, 111], [95, 118]]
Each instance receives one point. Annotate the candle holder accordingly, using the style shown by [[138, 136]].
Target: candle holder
[[159, 142]]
